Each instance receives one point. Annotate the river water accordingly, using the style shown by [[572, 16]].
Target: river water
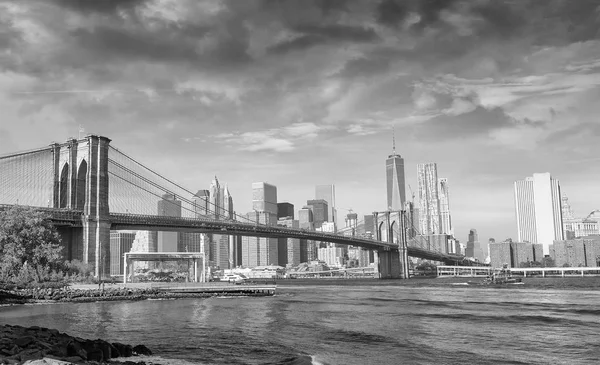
[[434, 321]]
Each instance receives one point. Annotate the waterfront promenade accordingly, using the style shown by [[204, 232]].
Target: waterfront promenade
[[477, 271]]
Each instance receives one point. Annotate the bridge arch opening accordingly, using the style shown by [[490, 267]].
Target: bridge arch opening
[[81, 185], [64, 186], [393, 228], [382, 232]]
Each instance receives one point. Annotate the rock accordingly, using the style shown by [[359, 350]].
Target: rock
[[124, 350], [74, 349], [31, 355], [114, 352], [142, 350], [24, 341], [95, 355], [73, 359]]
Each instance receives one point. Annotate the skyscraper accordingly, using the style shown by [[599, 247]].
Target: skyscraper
[[169, 206], [473, 247], [429, 203], [445, 220], [327, 193], [264, 197], [396, 193], [320, 211], [538, 210], [258, 251], [285, 210]]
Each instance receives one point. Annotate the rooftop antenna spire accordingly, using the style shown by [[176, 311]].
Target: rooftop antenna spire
[[394, 139]]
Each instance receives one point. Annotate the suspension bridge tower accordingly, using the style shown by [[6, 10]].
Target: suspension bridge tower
[[391, 227], [81, 183]]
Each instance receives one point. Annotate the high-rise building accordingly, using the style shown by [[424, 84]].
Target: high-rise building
[[264, 197], [201, 202], [327, 193], [308, 248], [120, 243], [396, 191], [319, 210], [473, 248], [429, 202], [261, 251], [538, 210], [169, 206], [445, 219], [292, 245], [285, 210]]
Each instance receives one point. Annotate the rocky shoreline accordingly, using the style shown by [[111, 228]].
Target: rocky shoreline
[[67, 294], [38, 345]]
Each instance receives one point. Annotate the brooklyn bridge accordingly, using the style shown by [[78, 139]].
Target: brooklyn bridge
[[88, 188]]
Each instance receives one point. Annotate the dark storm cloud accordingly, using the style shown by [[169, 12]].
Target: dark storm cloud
[[479, 121], [100, 6]]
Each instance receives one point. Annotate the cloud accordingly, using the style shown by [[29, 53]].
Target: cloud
[[280, 139]]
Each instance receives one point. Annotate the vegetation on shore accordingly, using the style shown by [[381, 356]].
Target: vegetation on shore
[[31, 254]]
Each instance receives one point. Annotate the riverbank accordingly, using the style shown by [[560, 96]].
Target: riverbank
[[91, 293], [27, 344]]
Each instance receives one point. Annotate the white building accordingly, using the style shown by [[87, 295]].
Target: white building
[[444, 196], [538, 210], [333, 256], [429, 202]]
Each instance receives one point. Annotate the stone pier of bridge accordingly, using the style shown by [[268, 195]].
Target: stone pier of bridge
[[391, 227]]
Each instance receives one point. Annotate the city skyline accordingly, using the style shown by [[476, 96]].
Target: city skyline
[[240, 104]]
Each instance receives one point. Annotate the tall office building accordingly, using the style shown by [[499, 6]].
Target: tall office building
[[445, 219], [396, 191], [327, 193], [429, 202], [169, 206], [538, 210], [320, 211], [285, 210], [308, 248], [201, 202], [289, 248], [260, 251], [264, 197], [473, 246]]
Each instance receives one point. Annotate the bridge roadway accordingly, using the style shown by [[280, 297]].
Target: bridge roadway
[[121, 221]]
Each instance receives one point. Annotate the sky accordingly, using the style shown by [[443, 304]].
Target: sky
[[305, 92]]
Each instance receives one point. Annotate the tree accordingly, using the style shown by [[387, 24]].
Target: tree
[[548, 262], [28, 239]]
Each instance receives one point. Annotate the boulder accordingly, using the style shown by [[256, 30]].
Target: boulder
[[124, 350], [142, 350], [74, 349]]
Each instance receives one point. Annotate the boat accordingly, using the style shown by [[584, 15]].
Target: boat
[[502, 276]]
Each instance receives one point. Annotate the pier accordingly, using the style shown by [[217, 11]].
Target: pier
[[480, 271]]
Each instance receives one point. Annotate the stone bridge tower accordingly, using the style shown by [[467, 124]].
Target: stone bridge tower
[[391, 227], [81, 183]]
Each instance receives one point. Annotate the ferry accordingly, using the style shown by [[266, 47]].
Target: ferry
[[502, 276]]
